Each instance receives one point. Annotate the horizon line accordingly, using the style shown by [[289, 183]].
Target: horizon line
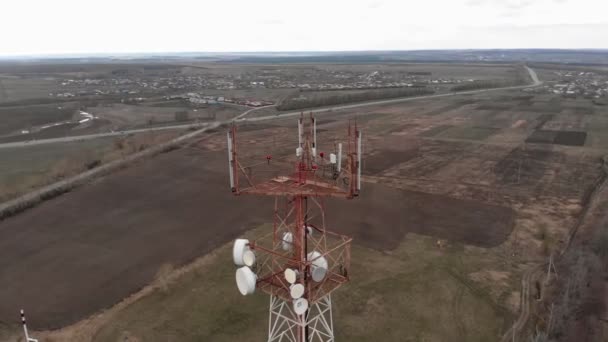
[[262, 52]]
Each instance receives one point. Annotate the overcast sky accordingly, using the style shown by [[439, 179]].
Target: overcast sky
[[119, 26]]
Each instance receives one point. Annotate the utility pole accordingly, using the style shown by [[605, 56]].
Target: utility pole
[[550, 267], [27, 336]]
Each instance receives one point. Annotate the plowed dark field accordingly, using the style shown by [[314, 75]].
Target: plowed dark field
[[88, 249], [383, 215]]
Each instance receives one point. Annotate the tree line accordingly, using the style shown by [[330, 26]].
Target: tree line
[[520, 77], [306, 90], [336, 99]]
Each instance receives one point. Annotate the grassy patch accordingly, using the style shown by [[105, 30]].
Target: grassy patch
[[9, 331], [396, 296], [24, 117], [24, 169]]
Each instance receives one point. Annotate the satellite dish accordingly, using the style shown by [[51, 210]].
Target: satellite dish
[[319, 266], [238, 250], [249, 258], [245, 280], [287, 241], [300, 306], [309, 230], [291, 275], [296, 291]]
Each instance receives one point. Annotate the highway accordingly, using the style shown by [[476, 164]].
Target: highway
[[242, 117], [535, 83]]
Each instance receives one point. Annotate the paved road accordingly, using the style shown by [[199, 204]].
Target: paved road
[[242, 116], [98, 135], [119, 133]]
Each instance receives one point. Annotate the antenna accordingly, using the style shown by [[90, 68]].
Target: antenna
[[314, 137], [27, 336], [300, 130], [300, 263], [358, 133], [230, 161], [339, 165]]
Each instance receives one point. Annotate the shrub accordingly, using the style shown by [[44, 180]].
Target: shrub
[[92, 164], [335, 99]]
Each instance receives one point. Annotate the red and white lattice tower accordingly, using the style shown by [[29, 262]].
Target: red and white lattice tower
[[301, 263]]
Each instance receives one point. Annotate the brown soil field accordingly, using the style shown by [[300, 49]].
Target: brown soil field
[[380, 161], [88, 249], [375, 221]]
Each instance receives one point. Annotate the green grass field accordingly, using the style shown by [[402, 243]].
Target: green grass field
[[414, 293], [16, 118], [24, 168], [21, 88]]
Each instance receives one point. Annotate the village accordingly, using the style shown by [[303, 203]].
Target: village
[[573, 84], [183, 86]]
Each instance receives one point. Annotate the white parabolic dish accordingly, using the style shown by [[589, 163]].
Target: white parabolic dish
[[319, 266], [245, 280], [300, 306], [287, 242], [291, 275], [296, 291], [239, 248]]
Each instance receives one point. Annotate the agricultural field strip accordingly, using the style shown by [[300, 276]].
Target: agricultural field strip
[[34, 196], [277, 116]]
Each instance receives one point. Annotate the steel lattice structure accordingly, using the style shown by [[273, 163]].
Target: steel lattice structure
[[300, 243], [284, 323]]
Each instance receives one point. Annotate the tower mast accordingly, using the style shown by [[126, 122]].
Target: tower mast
[[302, 262]]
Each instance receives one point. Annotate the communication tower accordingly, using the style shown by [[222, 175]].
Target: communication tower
[[301, 262]]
